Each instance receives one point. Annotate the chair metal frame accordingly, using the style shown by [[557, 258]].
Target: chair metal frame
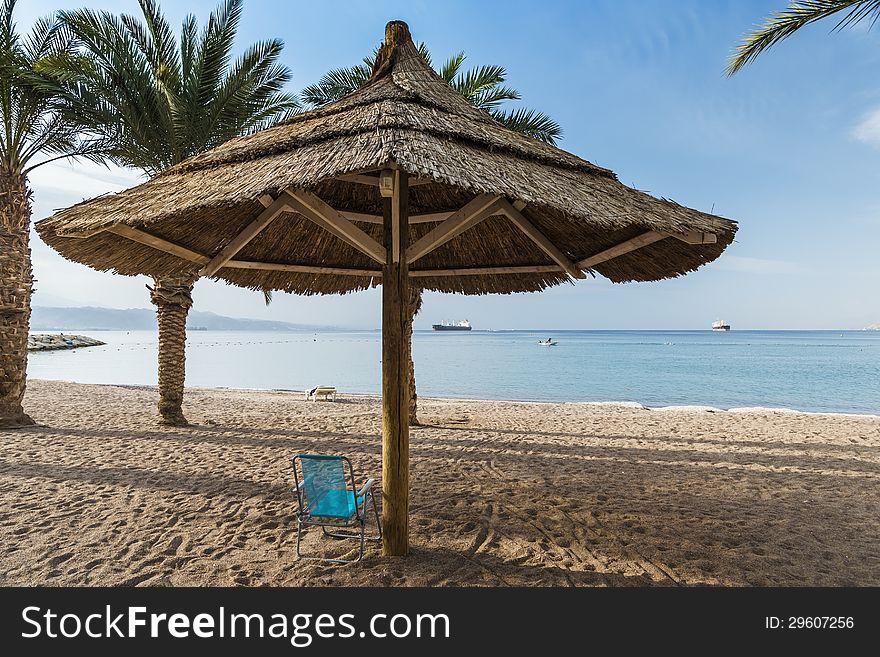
[[357, 521]]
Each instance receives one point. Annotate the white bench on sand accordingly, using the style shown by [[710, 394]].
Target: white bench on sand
[[327, 393]]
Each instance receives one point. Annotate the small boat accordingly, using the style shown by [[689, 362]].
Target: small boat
[[547, 343], [720, 325]]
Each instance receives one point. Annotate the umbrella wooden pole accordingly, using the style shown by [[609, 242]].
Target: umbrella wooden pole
[[395, 369]]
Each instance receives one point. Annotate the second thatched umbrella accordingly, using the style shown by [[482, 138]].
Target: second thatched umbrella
[[401, 180]]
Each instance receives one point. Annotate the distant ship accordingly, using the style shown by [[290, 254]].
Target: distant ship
[[720, 325], [462, 325]]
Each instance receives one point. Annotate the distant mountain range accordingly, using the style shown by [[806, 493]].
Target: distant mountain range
[[90, 318]]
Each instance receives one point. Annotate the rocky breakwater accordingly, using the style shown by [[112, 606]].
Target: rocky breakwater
[[51, 341]]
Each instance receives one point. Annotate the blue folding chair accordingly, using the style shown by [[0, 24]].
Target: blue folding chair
[[325, 500]]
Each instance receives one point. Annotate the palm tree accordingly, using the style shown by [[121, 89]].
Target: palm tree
[[782, 24], [484, 87], [160, 100], [34, 132]]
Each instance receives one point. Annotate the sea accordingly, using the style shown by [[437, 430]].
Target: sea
[[825, 371]]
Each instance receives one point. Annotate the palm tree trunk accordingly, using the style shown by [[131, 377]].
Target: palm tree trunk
[[173, 299], [16, 286], [412, 307]]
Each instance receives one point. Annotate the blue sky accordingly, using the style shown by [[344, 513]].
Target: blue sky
[[790, 148]]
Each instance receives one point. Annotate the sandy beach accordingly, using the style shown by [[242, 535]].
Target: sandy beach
[[503, 493]]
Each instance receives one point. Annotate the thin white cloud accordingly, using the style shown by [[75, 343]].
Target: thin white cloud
[[757, 265], [868, 129], [81, 180]]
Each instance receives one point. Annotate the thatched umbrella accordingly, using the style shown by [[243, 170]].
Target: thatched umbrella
[[402, 180]]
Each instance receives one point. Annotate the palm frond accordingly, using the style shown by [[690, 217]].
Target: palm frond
[[118, 93], [451, 66], [33, 123], [251, 94], [425, 53], [157, 99], [215, 49], [336, 84], [188, 45], [8, 37], [46, 37], [161, 35], [483, 86], [93, 150], [530, 122], [491, 97], [479, 79], [782, 24]]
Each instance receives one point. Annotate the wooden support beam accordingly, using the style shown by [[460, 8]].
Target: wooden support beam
[[158, 243], [395, 376], [695, 237], [247, 235], [301, 269], [165, 246], [316, 210], [467, 217], [431, 217], [539, 238], [374, 181], [483, 271], [360, 178], [620, 249], [362, 216], [396, 219]]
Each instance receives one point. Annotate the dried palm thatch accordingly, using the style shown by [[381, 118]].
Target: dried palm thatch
[[567, 212]]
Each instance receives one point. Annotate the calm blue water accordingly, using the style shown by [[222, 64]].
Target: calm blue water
[[804, 370]]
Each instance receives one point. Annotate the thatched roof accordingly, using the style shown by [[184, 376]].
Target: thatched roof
[[406, 117]]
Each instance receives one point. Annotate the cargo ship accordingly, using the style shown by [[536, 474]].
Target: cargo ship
[[720, 325], [462, 325]]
